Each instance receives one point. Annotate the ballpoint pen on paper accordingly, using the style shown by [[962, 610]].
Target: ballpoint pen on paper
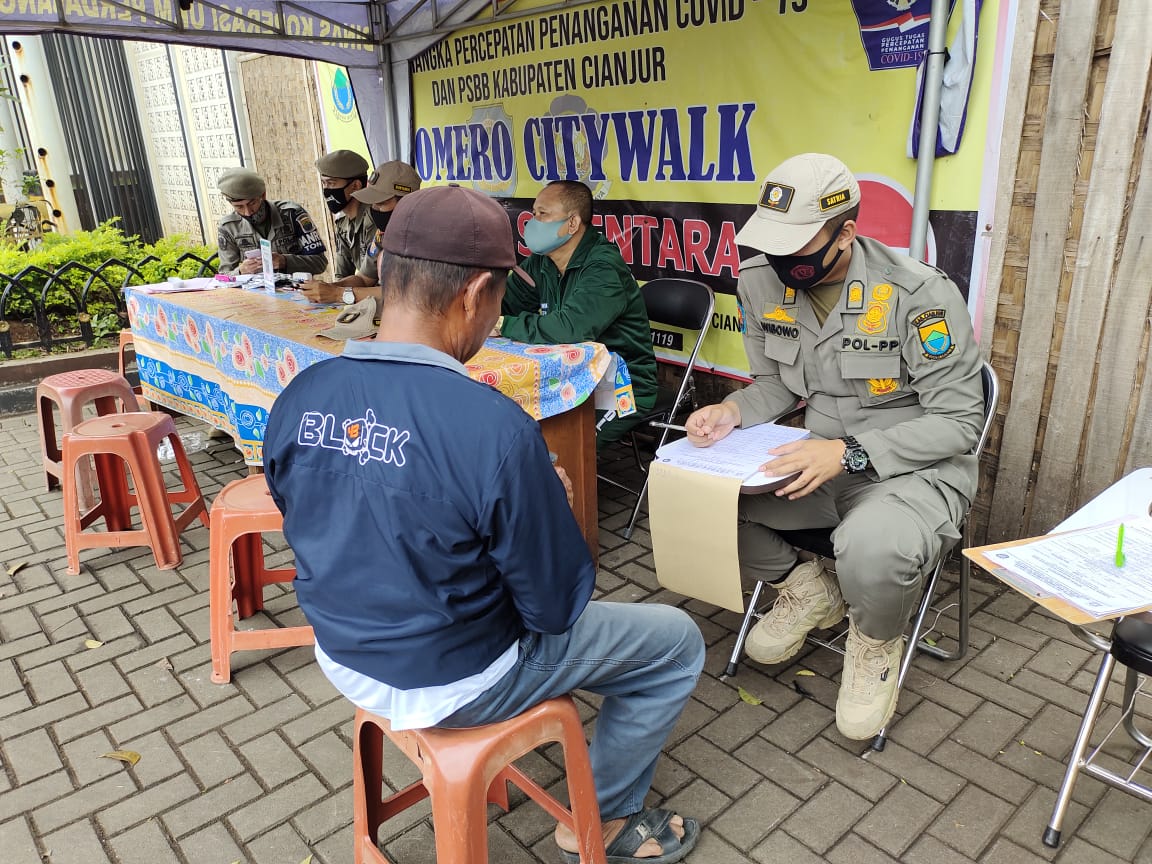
[[1120, 546], [671, 426]]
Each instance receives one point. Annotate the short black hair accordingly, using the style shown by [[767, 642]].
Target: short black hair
[[575, 197]]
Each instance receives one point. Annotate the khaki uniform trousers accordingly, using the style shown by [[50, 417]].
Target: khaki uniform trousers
[[886, 535]]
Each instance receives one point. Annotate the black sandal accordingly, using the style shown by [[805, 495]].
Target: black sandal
[[643, 826]]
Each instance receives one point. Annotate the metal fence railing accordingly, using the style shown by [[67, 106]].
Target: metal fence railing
[[74, 303]]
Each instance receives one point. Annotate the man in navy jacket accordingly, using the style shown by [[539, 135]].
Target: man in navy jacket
[[437, 557]]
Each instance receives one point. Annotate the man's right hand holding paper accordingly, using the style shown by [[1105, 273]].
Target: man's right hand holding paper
[[709, 424]]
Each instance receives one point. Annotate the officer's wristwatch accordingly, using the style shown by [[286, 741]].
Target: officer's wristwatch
[[855, 458], [348, 297]]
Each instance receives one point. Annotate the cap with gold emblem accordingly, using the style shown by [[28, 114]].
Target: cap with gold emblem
[[390, 180], [799, 196]]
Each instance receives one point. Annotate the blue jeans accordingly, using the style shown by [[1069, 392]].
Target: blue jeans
[[644, 660]]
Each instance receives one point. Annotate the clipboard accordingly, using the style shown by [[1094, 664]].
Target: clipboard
[[982, 556]]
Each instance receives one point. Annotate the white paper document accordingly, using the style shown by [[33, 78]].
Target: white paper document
[[739, 454], [180, 286], [1080, 567]]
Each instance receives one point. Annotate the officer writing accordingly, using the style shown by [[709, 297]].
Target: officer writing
[[881, 349]]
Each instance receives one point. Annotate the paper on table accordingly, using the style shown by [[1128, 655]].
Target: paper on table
[[692, 520], [203, 283], [739, 454], [1079, 567]]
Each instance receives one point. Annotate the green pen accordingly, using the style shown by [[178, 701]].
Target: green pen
[[1120, 546]]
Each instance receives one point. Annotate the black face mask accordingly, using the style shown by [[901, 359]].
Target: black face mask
[[336, 199], [380, 219], [258, 217], [805, 271]]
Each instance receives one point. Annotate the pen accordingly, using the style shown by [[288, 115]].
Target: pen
[[1120, 546], [671, 426]]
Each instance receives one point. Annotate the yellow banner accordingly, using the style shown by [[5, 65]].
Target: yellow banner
[[342, 127], [673, 111]]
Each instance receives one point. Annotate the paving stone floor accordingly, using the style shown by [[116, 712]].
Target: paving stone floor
[[259, 770]]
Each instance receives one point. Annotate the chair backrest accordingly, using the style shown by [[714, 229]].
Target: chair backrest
[[991, 386], [682, 303]]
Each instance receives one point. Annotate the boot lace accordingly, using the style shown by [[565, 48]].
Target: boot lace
[[868, 664], [786, 611]]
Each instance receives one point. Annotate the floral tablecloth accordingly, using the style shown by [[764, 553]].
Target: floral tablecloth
[[224, 355]]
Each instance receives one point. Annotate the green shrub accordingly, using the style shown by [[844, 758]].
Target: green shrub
[[90, 248]]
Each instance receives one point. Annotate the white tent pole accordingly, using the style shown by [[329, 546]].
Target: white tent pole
[[929, 123]]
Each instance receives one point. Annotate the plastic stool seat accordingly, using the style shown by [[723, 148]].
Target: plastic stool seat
[[465, 769], [116, 441], [71, 392], [241, 513]]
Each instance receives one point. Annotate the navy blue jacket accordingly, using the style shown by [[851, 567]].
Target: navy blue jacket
[[429, 527]]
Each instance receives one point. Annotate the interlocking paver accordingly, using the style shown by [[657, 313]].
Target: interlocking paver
[[826, 817], [18, 843], [144, 844], [971, 820], [31, 755], [898, 820], [79, 843]]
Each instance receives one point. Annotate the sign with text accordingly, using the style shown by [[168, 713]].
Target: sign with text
[[673, 111]]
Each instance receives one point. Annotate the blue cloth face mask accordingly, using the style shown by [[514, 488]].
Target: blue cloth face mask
[[543, 237]]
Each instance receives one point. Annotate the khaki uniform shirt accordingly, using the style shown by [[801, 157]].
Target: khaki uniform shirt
[[291, 231], [369, 263], [895, 365], [352, 237]]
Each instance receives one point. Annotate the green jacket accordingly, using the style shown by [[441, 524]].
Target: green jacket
[[596, 300]]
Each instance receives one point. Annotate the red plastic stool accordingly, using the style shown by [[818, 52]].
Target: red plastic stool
[[241, 513], [71, 392], [465, 769], [116, 441]]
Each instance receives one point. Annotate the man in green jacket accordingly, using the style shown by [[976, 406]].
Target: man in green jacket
[[584, 292]]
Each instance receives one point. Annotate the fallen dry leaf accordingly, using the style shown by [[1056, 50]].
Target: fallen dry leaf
[[92, 643], [750, 698], [307, 860], [129, 756], [16, 568], [807, 673]]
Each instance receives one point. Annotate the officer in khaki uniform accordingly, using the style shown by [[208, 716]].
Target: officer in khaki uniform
[[881, 349], [296, 244], [343, 172], [390, 182]]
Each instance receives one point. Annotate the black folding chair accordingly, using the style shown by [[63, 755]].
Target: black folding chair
[[685, 305], [818, 541]]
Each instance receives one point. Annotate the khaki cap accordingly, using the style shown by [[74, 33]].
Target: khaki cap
[[345, 164], [354, 322], [389, 180], [240, 184], [798, 197]]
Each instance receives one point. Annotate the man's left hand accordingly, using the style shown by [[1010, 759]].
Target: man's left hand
[[563, 475], [816, 460]]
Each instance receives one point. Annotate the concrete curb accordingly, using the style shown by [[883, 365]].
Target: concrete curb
[[18, 378]]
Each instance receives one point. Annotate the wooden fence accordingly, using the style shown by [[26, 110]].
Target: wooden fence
[[1067, 309]]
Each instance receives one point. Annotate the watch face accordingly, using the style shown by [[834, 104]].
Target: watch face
[[349, 296], [855, 459]]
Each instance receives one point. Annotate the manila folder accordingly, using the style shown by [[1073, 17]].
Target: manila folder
[[692, 520]]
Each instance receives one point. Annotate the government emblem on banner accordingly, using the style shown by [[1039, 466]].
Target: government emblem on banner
[[935, 337]]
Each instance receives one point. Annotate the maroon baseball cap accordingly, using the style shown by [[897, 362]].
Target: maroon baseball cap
[[454, 225]]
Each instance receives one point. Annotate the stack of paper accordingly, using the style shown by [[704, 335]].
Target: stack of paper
[[739, 454]]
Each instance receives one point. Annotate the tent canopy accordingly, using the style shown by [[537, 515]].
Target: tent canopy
[[373, 39]]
